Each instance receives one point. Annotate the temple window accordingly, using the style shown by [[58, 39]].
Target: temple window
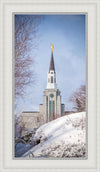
[[51, 79]]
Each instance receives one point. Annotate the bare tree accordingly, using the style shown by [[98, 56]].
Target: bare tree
[[21, 128], [26, 33], [16, 126], [78, 98]]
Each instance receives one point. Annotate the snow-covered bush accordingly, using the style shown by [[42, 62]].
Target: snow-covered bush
[[70, 150], [64, 150]]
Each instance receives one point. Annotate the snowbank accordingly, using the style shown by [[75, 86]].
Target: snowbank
[[63, 137]]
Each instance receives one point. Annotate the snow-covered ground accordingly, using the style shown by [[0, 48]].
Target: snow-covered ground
[[63, 137]]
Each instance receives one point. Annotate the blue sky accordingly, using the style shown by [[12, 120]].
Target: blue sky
[[67, 34]]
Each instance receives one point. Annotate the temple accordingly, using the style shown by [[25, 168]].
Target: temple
[[51, 108]]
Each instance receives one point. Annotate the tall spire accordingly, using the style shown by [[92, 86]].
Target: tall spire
[[51, 80], [52, 66]]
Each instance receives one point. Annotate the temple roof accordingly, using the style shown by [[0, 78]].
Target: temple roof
[[52, 66]]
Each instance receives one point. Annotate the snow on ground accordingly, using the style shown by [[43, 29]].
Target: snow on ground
[[63, 137]]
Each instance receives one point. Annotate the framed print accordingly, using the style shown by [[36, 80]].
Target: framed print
[[43, 133], [50, 55]]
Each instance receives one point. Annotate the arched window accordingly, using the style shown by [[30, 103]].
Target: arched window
[[51, 79]]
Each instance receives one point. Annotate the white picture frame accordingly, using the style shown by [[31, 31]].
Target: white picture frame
[[92, 8]]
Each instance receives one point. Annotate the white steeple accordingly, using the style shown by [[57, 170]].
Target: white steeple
[[51, 80]]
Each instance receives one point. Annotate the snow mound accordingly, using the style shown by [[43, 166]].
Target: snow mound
[[63, 137]]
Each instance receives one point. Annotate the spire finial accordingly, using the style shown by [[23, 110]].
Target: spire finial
[[52, 47], [52, 66]]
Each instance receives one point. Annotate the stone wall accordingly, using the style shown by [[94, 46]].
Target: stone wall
[[62, 109], [41, 109], [29, 121]]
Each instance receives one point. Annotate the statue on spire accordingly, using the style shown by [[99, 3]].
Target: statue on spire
[[52, 48]]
